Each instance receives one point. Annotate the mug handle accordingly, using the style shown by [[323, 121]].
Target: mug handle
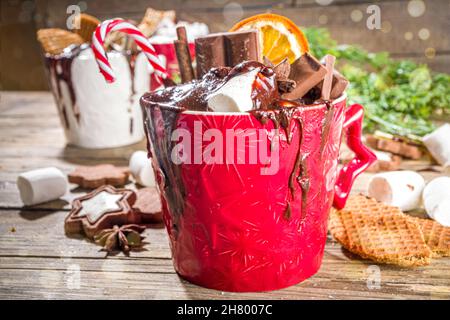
[[364, 157]]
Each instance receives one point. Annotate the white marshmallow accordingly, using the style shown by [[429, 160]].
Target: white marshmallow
[[398, 188], [41, 185], [438, 143], [140, 167], [436, 200], [235, 94]]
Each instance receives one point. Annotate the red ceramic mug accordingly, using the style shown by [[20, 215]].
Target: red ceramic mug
[[233, 228]]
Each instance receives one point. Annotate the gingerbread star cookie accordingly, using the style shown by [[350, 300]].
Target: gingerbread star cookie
[[91, 177], [101, 209], [148, 205]]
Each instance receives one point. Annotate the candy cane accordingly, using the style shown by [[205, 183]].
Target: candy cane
[[98, 38]]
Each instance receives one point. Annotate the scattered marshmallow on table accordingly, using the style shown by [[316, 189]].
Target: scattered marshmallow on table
[[438, 143], [397, 188], [141, 169], [436, 200], [41, 185]]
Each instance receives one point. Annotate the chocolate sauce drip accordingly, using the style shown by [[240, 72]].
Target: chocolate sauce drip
[[61, 67], [326, 125], [282, 113], [264, 89], [191, 95], [131, 58], [160, 123]]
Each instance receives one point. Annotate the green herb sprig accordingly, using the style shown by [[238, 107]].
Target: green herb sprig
[[400, 96]]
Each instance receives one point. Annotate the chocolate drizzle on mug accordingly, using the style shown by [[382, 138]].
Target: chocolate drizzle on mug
[[282, 113], [160, 122], [60, 67]]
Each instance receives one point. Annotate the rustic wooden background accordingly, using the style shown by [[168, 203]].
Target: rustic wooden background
[[21, 61]]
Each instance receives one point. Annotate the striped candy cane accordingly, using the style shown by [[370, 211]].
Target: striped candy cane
[[98, 38]]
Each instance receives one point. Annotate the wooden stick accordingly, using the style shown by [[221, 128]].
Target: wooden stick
[[181, 34], [328, 80], [184, 56]]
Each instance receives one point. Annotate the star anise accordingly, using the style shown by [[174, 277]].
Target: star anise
[[122, 238]]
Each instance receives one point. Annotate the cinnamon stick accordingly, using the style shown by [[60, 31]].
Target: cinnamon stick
[[183, 56]]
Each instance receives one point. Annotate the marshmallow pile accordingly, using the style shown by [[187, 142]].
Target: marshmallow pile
[[166, 31], [407, 190]]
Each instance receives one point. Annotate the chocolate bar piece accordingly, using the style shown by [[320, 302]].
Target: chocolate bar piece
[[240, 47], [209, 53], [225, 50], [307, 72]]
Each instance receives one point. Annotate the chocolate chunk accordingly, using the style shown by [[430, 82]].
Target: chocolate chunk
[[307, 72], [339, 85], [283, 69], [285, 85], [226, 49]]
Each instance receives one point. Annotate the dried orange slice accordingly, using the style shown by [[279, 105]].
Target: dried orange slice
[[279, 37]]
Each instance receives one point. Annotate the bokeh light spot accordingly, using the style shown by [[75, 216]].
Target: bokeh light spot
[[430, 53], [232, 12], [416, 8], [424, 34], [356, 15], [386, 26], [409, 35]]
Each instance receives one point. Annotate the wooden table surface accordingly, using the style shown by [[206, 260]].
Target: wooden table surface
[[37, 260]]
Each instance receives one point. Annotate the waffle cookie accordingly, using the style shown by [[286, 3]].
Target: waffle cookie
[[54, 40], [87, 24], [379, 232], [437, 237]]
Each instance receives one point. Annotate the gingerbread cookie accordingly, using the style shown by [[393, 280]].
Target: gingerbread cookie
[[91, 177], [148, 205], [101, 209]]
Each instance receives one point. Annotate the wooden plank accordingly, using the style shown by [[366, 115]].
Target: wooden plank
[[46, 253], [339, 278]]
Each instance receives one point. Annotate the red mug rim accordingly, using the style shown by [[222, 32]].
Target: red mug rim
[[244, 113]]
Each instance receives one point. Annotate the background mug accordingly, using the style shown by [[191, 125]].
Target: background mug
[[232, 228]]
